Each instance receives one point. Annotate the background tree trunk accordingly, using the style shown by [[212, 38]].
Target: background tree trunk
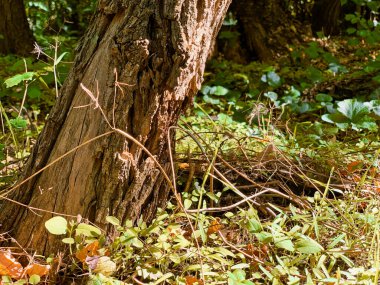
[[326, 16], [158, 48], [15, 34], [265, 28]]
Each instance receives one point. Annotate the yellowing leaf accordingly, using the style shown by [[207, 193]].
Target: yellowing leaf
[[56, 225]]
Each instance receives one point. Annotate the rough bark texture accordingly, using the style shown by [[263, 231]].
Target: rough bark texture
[[326, 16], [266, 28], [159, 49], [15, 34]]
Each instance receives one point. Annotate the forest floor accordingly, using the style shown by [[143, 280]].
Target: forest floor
[[278, 170]]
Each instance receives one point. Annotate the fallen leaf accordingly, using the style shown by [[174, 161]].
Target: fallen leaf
[[89, 250], [214, 227], [355, 165], [37, 269], [183, 166], [190, 280], [9, 265]]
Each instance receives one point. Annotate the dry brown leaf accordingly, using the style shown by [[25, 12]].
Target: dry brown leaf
[[183, 166], [89, 250], [355, 165], [10, 266], [214, 227], [37, 269], [190, 280]]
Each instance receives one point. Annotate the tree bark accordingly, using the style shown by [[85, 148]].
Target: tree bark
[[326, 16], [158, 48], [266, 28], [15, 34]]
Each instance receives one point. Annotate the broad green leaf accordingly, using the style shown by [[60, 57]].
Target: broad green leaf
[[272, 78], [87, 230], [264, 237], [34, 92], [187, 203], [351, 30], [225, 119], [210, 100], [205, 90], [68, 240], [113, 220], [352, 109], [254, 226], [56, 225], [314, 74], [219, 91], [285, 243], [34, 279], [15, 80], [293, 92], [341, 121], [321, 97], [271, 95], [308, 246]]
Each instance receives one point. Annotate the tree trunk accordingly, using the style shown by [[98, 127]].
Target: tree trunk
[[159, 49], [325, 16], [266, 28], [15, 34]]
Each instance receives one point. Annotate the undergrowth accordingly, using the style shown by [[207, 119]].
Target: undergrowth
[[278, 177]]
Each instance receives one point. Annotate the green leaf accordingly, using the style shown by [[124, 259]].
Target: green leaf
[[272, 78], [271, 95], [210, 100], [18, 123], [113, 220], [219, 91], [284, 242], [308, 246], [56, 225], [352, 109], [293, 92], [34, 279], [225, 119], [351, 30], [68, 240], [205, 90], [314, 74], [264, 237], [254, 226], [60, 58], [15, 80], [34, 92], [87, 230], [336, 118], [187, 203], [321, 97]]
